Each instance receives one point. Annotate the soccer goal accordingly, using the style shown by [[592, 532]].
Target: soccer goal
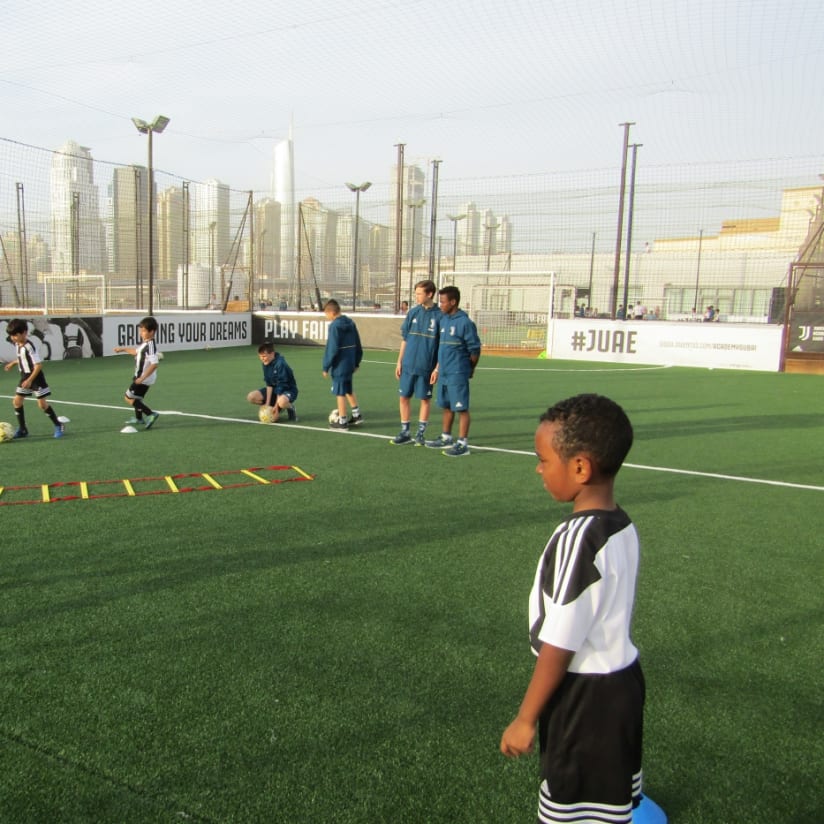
[[66, 294], [516, 315]]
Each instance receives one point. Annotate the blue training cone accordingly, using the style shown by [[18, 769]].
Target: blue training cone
[[648, 812]]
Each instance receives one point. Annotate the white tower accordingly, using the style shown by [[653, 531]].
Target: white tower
[[283, 189]]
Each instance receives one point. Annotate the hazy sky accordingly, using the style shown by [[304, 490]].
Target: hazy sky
[[490, 88]]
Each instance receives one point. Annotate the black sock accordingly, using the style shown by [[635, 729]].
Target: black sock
[[20, 414]]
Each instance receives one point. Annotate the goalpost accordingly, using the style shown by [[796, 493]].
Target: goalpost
[[518, 315], [64, 294]]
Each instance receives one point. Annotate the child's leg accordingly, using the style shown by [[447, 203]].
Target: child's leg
[[141, 407], [448, 418], [47, 408], [19, 413], [463, 425]]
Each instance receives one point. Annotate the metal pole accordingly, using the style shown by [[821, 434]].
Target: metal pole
[[629, 229], [591, 269], [433, 222], [355, 250], [698, 269], [151, 224], [617, 269], [399, 226]]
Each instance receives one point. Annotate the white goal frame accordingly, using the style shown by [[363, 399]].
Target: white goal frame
[[67, 294]]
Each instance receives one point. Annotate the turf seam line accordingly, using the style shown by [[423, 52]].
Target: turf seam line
[[39, 749]]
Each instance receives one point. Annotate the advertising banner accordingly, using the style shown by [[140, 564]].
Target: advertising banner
[[715, 345], [180, 331]]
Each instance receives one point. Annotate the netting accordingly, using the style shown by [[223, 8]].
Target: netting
[[712, 234]]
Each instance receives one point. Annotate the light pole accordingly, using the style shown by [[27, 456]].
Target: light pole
[[212, 226], [698, 270], [455, 219], [490, 228], [413, 205], [634, 147], [155, 127], [357, 190]]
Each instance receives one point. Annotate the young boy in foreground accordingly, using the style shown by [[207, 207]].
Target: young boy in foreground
[[587, 690]]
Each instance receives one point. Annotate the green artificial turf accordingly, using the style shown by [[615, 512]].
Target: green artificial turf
[[349, 648]]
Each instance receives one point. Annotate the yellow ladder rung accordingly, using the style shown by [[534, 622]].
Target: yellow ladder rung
[[129, 488], [171, 484], [212, 481], [256, 477]]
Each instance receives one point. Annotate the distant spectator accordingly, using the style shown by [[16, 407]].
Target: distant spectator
[[620, 314], [710, 314]]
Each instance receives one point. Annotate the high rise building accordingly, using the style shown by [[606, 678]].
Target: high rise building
[[211, 231], [172, 228], [129, 234], [78, 237], [318, 245], [470, 234], [268, 238], [283, 189], [414, 192]]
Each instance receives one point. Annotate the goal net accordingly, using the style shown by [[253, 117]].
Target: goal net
[[74, 295], [516, 315]]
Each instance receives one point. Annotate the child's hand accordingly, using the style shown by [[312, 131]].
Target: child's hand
[[518, 738], [8, 365]]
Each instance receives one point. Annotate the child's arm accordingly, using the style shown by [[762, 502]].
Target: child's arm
[[550, 669], [127, 350], [146, 372], [38, 368]]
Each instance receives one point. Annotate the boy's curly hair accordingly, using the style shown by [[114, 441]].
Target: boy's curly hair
[[592, 425]]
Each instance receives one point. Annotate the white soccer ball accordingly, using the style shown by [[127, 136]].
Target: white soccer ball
[[6, 432], [333, 416], [265, 414]]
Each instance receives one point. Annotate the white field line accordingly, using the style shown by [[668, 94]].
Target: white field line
[[544, 368], [475, 448]]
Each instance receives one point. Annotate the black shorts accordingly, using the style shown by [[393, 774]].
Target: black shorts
[[137, 390], [38, 389], [591, 736]]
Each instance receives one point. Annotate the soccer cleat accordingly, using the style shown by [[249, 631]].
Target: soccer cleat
[[149, 420], [457, 451], [339, 424], [292, 414], [440, 442], [20, 433], [356, 420], [420, 439], [402, 437], [133, 421], [59, 430]]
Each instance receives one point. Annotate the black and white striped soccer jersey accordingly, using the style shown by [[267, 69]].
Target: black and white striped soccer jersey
[[146, 354], [584, 590]]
